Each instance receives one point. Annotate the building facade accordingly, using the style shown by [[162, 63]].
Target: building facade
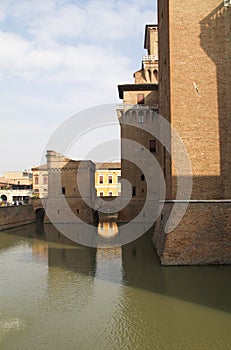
[[195, 97], [137, 116], [40, 181], [71, 189], [15, 187], [108, 179]]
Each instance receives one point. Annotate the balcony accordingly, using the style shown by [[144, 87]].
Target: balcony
[[150, 58], [227, 3]]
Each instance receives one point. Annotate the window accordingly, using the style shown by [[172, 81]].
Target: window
[[140, 117], [101, 179], [110, 194], [63, 190], [110, 179], [133, 191], [45, 180], [36, 180], [118, 179], [142, 177], [101, 194], [152, 146], [77, 211], [140, 99]]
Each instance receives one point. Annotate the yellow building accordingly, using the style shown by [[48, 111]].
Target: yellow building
[[107, 179]]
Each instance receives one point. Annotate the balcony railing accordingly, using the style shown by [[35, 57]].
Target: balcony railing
[[152, 58], [126, 106], [227, 3]]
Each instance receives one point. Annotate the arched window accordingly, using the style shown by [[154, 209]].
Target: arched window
[[45, 180], [140, 117], [156, 74], [36, 180]]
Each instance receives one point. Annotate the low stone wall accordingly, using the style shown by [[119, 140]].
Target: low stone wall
[[16, 216], [202, 237]]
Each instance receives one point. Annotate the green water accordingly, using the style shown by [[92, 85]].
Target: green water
[[55, 294]]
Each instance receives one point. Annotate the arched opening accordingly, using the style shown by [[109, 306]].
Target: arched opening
[[156, 75], [39, 214], [3, 197]]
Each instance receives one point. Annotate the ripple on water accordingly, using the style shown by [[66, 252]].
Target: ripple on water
[[11, 324]]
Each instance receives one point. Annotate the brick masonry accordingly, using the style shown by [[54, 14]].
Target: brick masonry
[[195, 97], [202, 237]]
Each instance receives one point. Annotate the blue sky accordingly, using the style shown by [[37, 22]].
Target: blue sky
[[59, 57]]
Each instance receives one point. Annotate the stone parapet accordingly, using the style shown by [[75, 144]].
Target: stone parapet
[[16, 216]]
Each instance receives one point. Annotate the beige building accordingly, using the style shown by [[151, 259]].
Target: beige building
[[15, 187], [19, 177], [40, 181], [107, 179]]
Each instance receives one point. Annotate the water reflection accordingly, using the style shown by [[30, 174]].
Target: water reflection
[[69, 296], [108, 229]]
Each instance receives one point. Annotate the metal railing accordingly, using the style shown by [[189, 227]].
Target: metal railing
[[146, 58], [227, 3]]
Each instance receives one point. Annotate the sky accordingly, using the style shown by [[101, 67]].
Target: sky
[[58, 58]]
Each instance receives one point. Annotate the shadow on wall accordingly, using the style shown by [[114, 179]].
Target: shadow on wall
[[216, 29]]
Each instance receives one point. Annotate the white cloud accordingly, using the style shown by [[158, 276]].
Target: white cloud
[[60, 56], [67, 21], [13, 47]]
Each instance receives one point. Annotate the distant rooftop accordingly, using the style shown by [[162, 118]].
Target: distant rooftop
[[108, 165]]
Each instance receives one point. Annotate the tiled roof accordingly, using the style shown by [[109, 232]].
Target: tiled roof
[[108, 165]]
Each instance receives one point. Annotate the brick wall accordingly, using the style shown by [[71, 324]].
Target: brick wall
[[195, 66], [16, 216], [202, 237]]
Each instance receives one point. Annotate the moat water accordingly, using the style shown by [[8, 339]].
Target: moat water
[[55, 294]]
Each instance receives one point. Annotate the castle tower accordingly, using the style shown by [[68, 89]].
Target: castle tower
[[194, 89], [149, 72], [195, 97], [140, 104]]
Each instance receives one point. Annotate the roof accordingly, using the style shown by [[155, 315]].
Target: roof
[[146, 33], [136, 87], [40, 167], [108, 165], [7, 181]]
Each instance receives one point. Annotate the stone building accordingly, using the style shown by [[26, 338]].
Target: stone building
[[195, 97], [71, 189], [137, 117]]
